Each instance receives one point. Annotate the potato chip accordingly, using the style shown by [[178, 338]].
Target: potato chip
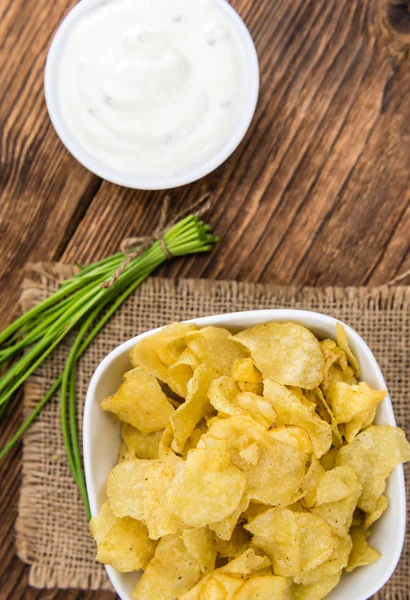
[[254, 509], [141, 445], [227, 399], [295, 542], [278, 476], [221, 393], [219, 587], [200, 543], [235, 546], [167, 344], [164, 446], [263, 587], [208, 489], [373, 454], [325, 411], [292, 411], [140, 402], [311, 481], [124, 453], [354, 405], [334, 356], [171, 572], [315, 591], [244, 370], [328, 460], [195, 407], [381, 505], [362, 552], [214, 347], [246, 564], [344, 344], [181, 371], [335, 485], [334, 565], [294, 436], [125, 488], [121, 543], [157, 481], [126, 546], [101, 524], [224, 528], [336, 498], [287, 353]]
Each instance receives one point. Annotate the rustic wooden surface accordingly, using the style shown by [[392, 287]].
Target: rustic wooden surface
[[318, 193]]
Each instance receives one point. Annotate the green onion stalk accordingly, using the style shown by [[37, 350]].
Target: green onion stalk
[[83, 304]]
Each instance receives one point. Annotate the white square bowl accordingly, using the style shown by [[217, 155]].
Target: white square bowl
[[101, 435]]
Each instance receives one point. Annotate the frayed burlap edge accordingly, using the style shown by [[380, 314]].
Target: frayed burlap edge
[[35, 288]]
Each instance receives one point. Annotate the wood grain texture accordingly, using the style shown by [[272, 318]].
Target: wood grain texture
[[317, 193]]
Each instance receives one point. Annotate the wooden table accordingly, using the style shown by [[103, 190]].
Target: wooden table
[[318, 193]]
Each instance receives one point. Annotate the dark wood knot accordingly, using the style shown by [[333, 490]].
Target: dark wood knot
[[398, 16]]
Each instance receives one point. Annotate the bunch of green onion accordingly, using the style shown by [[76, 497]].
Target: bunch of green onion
[[83, 304]]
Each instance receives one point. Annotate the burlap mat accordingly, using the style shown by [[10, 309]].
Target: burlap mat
[[52, 532]]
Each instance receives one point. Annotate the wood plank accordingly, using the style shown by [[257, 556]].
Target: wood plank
[[318, 192], [43, 191]]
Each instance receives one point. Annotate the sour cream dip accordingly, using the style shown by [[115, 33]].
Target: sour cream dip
[[152, 88]]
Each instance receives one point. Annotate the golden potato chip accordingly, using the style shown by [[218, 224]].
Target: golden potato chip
[[171, 572], [101, 524], [246, 564], [141, 445], [333, 566], [344, 344], [245, 371], [362, 552], [124, 453], [121, 543], [157, 481], [322, 402], [381, 505], [195, 407], [227, 399], [168, 343], [254, 509], [315, 591], [335, 485], [311, 481], [334, 356], [125, 488], [354, 405], [164, 446], [253, 388], [295, 542], [373, 454], [278, 476], [263, 587], [251, 454], [224, 528], [181, 371], [287, 353], [216, 586], [219, 587], [294, 436], [237, 545], [126, 546], [336, 498], [292, 411], [221, 393], [200, 543], [215, 348], [140, 402], [208, 488], [328, 460], [258, 407]]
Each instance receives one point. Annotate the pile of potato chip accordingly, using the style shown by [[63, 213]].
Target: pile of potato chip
[[249, 466]]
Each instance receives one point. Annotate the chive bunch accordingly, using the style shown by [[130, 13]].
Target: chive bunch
[[83, 304]]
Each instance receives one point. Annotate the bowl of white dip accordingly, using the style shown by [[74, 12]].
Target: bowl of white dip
[[152, 94]]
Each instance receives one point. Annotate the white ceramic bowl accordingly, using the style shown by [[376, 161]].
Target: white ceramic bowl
[[102, 439], [92, 163]]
